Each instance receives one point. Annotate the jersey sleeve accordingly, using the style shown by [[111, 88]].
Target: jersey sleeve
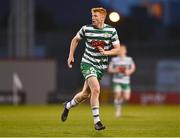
[[115, 38], [131, 61], [80, 34]]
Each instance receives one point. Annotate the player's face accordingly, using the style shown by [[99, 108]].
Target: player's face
[[97, 19]]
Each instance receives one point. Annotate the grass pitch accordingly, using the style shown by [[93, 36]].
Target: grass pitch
[[43, 121]]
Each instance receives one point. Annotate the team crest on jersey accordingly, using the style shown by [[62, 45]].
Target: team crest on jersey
[[106, 35]]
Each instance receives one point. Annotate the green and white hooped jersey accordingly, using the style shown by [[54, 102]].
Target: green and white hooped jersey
[[125, 62], [105, 37]]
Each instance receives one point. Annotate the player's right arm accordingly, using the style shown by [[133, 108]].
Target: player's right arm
[[74, 44], [131, 70]]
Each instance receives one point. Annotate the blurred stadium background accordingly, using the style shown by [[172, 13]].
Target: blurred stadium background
[[35, 37]]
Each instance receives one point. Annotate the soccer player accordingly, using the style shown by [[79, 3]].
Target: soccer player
[[101, 41], [121, 66]]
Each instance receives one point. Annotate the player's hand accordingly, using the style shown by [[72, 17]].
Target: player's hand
[[116, 70], [70, 61], [127, 72], [101, 50]]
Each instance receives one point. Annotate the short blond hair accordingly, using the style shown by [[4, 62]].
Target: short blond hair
[[101, 10]]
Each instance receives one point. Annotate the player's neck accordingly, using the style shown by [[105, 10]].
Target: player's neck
[[100, 26]]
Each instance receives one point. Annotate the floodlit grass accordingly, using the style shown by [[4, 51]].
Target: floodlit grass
[[43, 121]]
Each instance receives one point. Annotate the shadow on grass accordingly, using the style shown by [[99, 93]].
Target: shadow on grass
[[96, 133]]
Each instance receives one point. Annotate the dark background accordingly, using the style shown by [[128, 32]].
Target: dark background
[[150, 29]]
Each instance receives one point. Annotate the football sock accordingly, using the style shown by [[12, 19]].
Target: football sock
[[71, 104], [95, 112], [118, 104]]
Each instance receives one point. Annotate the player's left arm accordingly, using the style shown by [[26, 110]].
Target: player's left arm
[[112, 69], [114, 51], [130, 70]]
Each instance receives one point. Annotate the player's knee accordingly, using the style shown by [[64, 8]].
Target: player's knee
[[126, 98], [95, 91], [85, 95]]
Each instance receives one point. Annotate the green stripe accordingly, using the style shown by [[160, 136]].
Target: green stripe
[[98, 31], [81, 35], [114, 34], [113, 39], [93, 66], [97, 38], [96, 57], [108, 26], [92, 50], [83, 31], [96, 63]]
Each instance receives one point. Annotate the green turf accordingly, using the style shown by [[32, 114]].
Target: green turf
[[137, 121]]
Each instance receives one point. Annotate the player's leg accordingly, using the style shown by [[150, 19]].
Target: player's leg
[[117, 98], [94, 100], [126, 92], [125, 95], [118, 104], [79, 97], [91, 74]]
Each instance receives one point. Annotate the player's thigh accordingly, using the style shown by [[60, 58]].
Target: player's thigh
[[117, 90], [89, 71], [117, 95], [126, 95], [86, 89], [93, 84], [126, 91]]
